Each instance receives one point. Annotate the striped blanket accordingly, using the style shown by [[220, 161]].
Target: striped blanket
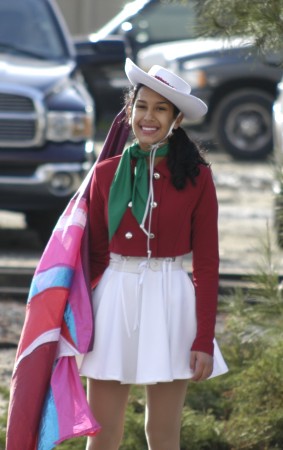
[[47, 402]]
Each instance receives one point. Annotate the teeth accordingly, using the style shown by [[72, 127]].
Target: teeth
[[149, 129]]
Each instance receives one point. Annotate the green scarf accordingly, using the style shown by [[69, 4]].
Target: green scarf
[[122, 191]]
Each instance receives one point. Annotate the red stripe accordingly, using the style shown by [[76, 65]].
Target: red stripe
[[28, 388], [163, 81], [44, 313]]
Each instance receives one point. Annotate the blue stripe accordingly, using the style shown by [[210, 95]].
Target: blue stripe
[[49, 428], [55, 277], [70, 321]]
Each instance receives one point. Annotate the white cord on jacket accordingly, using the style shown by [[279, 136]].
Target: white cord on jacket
[[150, 198]]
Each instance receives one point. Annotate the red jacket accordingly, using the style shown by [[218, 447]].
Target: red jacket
[[182, 221]]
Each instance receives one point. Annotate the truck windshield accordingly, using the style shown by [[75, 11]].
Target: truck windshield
[[28, 27], [153, 21]]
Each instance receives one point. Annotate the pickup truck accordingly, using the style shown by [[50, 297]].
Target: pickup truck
[[47, 115], [236, 82]]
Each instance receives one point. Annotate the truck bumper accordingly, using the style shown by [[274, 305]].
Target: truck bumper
[[49, 187]]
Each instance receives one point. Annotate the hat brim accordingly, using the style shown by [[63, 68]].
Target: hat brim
[[192, 107]]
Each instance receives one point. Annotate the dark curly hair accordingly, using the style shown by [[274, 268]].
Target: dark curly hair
[[185, 155]]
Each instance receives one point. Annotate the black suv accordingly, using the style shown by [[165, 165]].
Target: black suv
[[46, 113]]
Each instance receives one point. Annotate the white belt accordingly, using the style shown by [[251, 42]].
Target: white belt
[[138, 264]]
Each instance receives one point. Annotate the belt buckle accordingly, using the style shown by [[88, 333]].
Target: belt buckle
[[154, 264]]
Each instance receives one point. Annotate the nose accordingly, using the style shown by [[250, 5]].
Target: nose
[[148, 114]]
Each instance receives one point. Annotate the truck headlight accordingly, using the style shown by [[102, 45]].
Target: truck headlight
[[196, 78], [69, 126]]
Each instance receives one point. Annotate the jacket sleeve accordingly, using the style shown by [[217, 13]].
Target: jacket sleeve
[[99, 245], [205, 263]]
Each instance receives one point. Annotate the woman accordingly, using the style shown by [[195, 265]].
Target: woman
[[149, 208]]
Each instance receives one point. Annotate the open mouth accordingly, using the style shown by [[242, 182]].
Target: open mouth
[[149, 130]]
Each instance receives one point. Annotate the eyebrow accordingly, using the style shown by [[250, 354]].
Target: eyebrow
[[158, 103]]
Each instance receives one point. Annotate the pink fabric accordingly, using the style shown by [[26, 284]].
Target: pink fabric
[[70, 400]]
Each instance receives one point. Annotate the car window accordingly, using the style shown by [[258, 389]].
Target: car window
[[28, 26], [161, 22]]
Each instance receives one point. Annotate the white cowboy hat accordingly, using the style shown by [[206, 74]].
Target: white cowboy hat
[[170, 86]]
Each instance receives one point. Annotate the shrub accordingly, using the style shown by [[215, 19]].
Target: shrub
[[201, 432], [257, 417]]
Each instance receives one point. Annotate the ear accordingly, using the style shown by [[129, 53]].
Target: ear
[[178, 120]]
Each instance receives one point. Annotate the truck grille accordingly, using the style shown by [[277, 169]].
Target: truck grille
[[17, 130], [15, 103], [20, 120]]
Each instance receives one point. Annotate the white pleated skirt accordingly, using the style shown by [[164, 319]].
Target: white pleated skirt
[[145, 323]]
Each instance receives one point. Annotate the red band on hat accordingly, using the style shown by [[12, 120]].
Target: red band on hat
[[163, 81]]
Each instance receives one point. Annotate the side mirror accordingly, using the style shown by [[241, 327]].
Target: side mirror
[[108, 50]]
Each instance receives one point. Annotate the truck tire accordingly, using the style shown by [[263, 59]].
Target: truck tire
[[243, 124], [42, 222]]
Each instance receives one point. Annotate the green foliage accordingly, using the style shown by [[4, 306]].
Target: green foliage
[[73, 444], [3, 420], [201, 432], [254, 337], [257, 416], [4, 395], [210, 397], [262, 19]]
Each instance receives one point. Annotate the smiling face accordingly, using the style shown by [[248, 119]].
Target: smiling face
[[152, 117]]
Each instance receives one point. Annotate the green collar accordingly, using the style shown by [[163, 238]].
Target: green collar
[[123, 189]]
